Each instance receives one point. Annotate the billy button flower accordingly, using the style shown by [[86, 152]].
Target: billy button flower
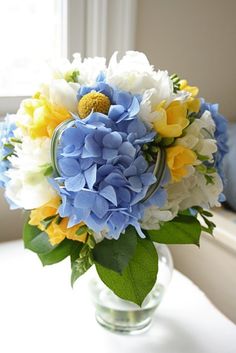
[[93, 101]]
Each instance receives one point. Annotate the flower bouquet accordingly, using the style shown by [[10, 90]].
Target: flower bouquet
[[109, 160]]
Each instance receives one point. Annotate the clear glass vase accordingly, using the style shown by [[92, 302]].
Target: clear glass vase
[[122, 316]]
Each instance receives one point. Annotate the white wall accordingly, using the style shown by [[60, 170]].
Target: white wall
[[197, 40]]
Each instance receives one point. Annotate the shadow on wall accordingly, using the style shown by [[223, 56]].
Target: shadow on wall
[[11, 222]]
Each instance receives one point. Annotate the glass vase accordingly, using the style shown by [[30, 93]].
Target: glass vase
[[122, 316]]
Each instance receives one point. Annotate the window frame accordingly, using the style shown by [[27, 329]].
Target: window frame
[[83, 32]]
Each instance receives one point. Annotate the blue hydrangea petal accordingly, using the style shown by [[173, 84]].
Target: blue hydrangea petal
[[109, 153], [148, 179], [75, 183], [134, 107], [112, 140], [100, 206], [115, 179], [73, 136], [90, 176], [109, 193], [115, 112], [85, 199], [69, 166], [128, 149]]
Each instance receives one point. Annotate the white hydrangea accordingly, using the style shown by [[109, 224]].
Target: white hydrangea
[[190, 191], [153, 216], [28, 188], [134, 74], [199, 136]]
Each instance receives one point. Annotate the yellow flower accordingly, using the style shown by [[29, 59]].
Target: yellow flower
[[56, 232], [40, 117], [193, 103], [178, 160], [171, 121]]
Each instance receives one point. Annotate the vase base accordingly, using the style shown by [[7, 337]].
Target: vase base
[[123, 329]]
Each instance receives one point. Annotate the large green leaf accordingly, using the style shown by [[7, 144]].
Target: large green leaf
[[116, 254], [58, 253], [36, 240], [182, 229], [139, 276], [80, 266]]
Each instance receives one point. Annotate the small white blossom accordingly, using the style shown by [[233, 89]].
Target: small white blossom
[[28, 187]]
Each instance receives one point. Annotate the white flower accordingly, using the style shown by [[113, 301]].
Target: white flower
[[153, 216], [89, 69], [62, 94], [28, 188], [194, 191], [134, 74], [199, 136]]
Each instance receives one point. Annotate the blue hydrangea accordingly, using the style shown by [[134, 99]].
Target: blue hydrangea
[[103, 173], [221, 134], [7, 128]]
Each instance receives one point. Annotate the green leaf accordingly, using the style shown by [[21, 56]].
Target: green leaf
[[116, 254], [75, 251], [59, 253], [209, 179], [138, 278], [47, 221], [82, 230], [209, 225], [36, 240], [182, 229], [81, 265]]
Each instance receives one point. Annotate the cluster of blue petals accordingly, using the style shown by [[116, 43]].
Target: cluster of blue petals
[[7, 128], [220, 135], [103, 173]]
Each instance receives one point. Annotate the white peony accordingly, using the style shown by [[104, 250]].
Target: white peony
[[28, 188], [134, 74]]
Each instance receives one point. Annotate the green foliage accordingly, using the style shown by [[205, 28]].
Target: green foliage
[[82, 230], [138, 278], [36, 240], [72, 76], [58, 253], [116, 254], [47, 221], [82, 263], [176, 82], [209, 225], [183, 229]]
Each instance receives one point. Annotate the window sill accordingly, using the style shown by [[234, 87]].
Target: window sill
[[225, 231]]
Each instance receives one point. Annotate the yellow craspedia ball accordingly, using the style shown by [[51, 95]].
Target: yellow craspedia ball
[[95, 101]]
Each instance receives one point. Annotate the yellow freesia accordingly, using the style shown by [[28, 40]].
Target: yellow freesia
[[56, 232], [40, 117], [178, 160], [171, 121], [193, 103]]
